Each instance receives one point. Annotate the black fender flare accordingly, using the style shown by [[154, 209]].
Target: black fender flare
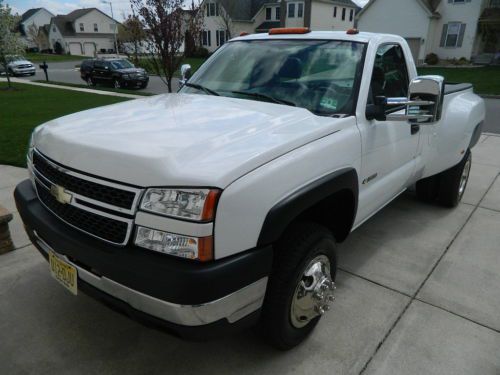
[[290, 207]]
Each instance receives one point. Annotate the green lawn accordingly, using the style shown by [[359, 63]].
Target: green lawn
[[486, 80], [29, 106], [40, 57]]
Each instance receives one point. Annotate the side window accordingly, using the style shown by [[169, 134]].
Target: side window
[[390, 73], [99, 64]]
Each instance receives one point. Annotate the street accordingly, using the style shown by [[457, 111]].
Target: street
[[67, 72]]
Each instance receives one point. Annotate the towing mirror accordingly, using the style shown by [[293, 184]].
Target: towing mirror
[[186, 73], [423, 105]]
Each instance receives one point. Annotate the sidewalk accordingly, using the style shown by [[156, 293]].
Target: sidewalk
[[90, 91], [418, 293]]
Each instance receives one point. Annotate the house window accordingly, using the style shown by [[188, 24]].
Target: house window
[[343, 14], [81, 27], [278, 13], [269, 14], [96, 29], [291, 10], [54, 29], [212, 9], [351, 15], [334, 12], [457, 1], [206, 37], [453, 34], [300, 10], [221, 37]]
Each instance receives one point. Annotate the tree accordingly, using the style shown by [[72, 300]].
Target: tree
[[10, 42], [37, 37], [167, 25], [131, 31], [224, 20]]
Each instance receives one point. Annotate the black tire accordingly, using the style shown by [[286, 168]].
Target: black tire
[[452, 183], [117, 84], [11, 73], [427, 189], [302, 243], [90, 81]]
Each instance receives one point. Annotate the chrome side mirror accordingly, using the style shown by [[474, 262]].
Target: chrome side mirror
[[186, 73], [423, 105]]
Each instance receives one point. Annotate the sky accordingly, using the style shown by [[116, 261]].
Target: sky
[[121, 8]]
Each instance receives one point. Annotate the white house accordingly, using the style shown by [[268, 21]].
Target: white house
[[83, 32], [224, 19], [448, 28], [38, 17]]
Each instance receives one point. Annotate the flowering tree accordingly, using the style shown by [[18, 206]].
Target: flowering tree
[[166, 24], [10, 42]]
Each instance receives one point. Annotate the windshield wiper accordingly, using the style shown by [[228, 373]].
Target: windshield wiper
[[266, 97], [206, 90]]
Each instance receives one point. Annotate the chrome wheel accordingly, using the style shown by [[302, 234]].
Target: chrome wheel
[[314, 292], [464, 178], [117, 84], [90, 83]]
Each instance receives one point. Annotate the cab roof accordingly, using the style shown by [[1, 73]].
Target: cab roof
[[361, 37]]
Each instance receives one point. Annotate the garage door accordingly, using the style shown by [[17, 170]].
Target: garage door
[[414, 44], [89, 49], [75, 49]]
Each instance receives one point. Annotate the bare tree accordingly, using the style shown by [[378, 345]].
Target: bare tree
[[165, 22], [36, 36], [132, 31], [226, 8], [10, 42]]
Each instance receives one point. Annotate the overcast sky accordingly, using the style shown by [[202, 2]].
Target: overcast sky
[[120, 7]]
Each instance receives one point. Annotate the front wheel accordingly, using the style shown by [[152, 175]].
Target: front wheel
[[90, 82], [301, 285], [117, 84]]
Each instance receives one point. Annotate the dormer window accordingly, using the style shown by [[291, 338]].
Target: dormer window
[[82, 28]]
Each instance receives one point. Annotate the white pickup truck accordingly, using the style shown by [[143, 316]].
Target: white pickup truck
[[221, 206]]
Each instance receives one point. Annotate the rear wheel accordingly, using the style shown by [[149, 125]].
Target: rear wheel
[[301, 285], [454, 181], [117, 84], [90, 82]]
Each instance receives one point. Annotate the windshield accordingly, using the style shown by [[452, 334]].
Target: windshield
[[121, 64], [14, 58], [319, 75]]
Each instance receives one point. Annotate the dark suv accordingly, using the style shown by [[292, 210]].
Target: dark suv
[[116, 72]]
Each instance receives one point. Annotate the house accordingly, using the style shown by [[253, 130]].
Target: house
[[83, 32], [37, 17], [224, 19], [449, 28]]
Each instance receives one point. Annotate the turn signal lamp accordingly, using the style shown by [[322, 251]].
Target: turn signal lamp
[[289, 30]]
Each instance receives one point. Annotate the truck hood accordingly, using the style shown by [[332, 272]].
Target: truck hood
[[180, 139]]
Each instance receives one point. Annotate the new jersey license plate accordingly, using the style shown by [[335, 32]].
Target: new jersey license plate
[[63, 272]]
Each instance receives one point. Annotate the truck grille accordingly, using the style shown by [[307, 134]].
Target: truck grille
[[101, 193], [96, 225], [99, 208]]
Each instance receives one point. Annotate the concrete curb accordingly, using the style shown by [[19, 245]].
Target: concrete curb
[[88, 91], [490, 96]]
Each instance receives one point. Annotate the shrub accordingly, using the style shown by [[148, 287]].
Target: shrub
[[200, 52], [431, 59]]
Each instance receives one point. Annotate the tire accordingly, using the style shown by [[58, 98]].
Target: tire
[[90, 81], [453, 182], [117, 84], [301, 245], [427, 189], [11, 73]]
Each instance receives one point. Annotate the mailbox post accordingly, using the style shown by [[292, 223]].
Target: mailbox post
[[44, 67]]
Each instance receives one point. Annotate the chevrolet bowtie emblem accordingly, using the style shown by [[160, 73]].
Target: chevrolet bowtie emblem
[[60, 194]]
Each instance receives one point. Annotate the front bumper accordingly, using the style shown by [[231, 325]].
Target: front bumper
[[22, 71], [181, 294], [135, 82]]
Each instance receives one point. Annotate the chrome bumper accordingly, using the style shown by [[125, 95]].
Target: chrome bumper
[[232, 307]]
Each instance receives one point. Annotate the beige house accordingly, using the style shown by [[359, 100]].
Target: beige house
[[224, 19], [83, 32], [37, 17], [452, 29]]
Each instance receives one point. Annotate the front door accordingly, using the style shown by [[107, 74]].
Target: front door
[[389, 147]]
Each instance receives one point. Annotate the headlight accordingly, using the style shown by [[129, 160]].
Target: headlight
[[191, 204], [175, 244]]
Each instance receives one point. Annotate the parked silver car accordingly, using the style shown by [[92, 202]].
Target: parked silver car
[[19, 66]]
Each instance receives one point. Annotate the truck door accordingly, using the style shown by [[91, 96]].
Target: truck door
[[389, 147], [101, 72]]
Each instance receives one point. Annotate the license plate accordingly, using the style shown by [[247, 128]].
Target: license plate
[[63, 272]]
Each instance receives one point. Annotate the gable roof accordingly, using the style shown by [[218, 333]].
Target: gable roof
[[243, 10], [29, 13], [430, 6]]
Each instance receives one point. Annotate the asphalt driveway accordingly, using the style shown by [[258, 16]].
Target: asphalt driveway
[[418, 293]]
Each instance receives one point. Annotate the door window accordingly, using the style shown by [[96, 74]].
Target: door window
[[390, 73]]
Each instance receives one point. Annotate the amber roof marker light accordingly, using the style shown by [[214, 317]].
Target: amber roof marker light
[[289, 30], [352, 32]]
